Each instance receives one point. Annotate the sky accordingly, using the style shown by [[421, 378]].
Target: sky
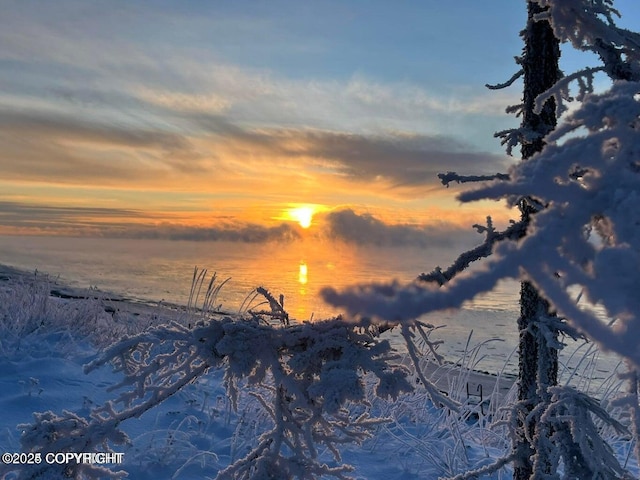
[[214, 120]]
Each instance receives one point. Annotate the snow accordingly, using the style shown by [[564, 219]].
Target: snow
[[196, 433], [332, 399]]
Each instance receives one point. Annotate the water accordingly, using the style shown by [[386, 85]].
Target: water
[[162, 270]]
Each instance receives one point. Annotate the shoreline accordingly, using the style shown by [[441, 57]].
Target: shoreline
[[59, 290], [478, 384]]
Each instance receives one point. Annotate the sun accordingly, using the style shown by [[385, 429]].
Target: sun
[[303, 215]]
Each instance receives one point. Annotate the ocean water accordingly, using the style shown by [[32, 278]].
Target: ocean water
[[156, 270]]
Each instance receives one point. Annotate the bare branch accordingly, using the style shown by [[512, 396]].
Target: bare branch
[[506, 84]]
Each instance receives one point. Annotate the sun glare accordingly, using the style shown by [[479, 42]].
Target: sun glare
[[302, 215]]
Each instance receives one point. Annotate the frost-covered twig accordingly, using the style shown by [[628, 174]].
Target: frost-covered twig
[[431, 389], [276, 306], [514, 231], [631, 402], [508, 83], [447, 178], [499, 464], [584, 78]]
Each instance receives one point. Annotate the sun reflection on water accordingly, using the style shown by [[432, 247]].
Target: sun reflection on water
[[303, 274]]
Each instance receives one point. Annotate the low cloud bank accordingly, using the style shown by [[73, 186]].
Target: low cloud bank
[[247, 233], [364, 229], [341, 225], [23, 218]]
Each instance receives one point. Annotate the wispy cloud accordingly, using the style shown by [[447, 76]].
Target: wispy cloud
[[58, 146], [14, 212], [68, 127], [402, 160]]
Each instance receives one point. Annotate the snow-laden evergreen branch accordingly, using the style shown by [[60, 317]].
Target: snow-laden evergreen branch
[[589, 25], [560, 91], [556, 253], [52, 433], [403, 303], [302, 375]]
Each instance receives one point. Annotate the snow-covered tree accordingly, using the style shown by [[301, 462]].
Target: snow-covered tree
[[582, 181], [538, 354]]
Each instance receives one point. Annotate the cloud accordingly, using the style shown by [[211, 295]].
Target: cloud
[[364, 229], [135, 81], [341, 225], [403, 160], [52, 146], [15, 213], [399, 159], [63, 125], [238, 232], [128, 97], [58, 147], [261, 68], [19, 217]]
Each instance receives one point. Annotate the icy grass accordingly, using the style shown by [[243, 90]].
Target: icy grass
[[197, 433], [28, 309]]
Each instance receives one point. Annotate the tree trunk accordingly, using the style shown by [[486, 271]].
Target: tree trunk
[[538, 362]]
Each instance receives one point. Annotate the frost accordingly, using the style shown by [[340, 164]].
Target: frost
[[303, 376], [585, 234]]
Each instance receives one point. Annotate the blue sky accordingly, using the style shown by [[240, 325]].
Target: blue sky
[[215, 114]]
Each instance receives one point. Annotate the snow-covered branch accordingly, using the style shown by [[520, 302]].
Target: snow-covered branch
[[513, 232], [589, 26], [447, 178], [303, 376], [556, 252], [395, 302], [560, 91], [508, 83]]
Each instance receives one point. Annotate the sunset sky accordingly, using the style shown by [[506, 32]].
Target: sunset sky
[[212, 120]]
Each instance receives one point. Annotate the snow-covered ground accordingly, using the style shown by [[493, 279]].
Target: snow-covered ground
[[45, 341]]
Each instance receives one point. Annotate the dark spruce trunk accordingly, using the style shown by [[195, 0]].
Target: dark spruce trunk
[[538, 360]]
